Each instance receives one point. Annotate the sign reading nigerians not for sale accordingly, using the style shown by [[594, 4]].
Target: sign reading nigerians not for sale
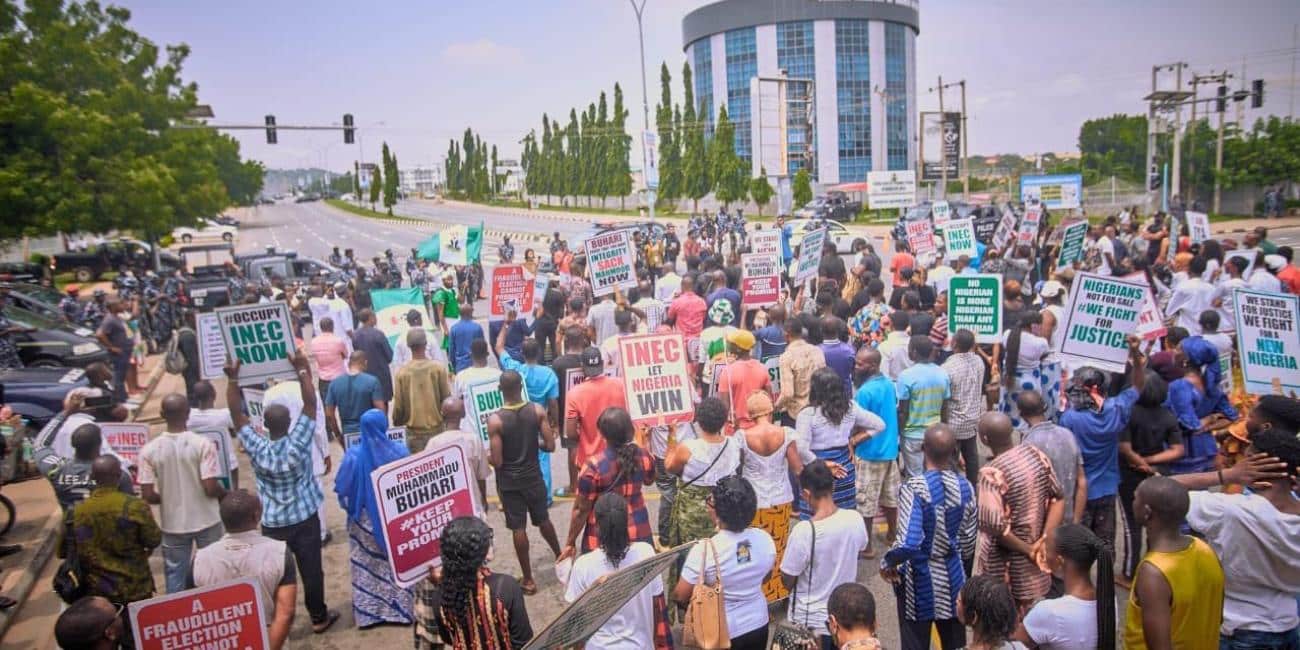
[[1101, 314], [260, 338]]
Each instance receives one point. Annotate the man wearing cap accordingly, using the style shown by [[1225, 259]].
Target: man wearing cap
[[1265, 279], [70, 305], [742, 377], [587, 401]]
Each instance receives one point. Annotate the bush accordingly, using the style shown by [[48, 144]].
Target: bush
[[165, 241], [39, 258]]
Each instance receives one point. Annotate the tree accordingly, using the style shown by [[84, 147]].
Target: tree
[[761, 190], [801, 188], [616, 162], [390, 180], [727, 167], [1268, 154], [375, 183], [496, 185], [1115, 145], [573, 161], [669, 154], [599, 159], [696, 177]]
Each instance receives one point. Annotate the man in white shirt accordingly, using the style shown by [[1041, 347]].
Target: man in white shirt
[[600, 318], [1265, 279], [180, 472], [893, 350], [215, 424], [609, 347], [453, 410], [1230, 281], [1105, 245], [341, 312], [1191, 296]]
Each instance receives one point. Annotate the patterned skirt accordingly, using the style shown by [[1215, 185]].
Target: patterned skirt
[[776, 522], [1025, 379], [845, 492], [690, 518], [1052, 383], [375, 599]]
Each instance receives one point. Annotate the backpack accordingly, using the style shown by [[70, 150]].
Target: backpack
[[175, 362]]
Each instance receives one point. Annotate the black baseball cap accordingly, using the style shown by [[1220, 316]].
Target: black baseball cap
[[593, 363]]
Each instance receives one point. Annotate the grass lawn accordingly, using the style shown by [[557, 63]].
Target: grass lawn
[[368, 213], [64, 279]]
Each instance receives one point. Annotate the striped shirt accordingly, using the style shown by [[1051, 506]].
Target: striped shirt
[[1015, 490], [965, 372], [925, 386], [284, 475], [936, 533]]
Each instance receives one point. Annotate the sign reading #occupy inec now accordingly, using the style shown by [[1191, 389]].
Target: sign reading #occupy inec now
[[975, 304], [226, 615], [891, 189], [959, 239], [656, 379], [1054, 191], [1268, 339], [418, 496], [260, 338], [612, 262], [1102, 312]]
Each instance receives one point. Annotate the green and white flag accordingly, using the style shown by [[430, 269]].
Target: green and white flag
[[463, 245], [391, 307]]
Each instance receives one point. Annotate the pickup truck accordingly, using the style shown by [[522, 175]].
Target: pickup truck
[[835, 206], [88, 265], [209, 285]]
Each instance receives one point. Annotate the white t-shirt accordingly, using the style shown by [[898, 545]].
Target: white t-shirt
[[745, 559], [215, 420], [814, 431], [1065, 623], [176, 464], [1033, 348], [1222, 342], [632, 626], [939, 277], [1105, 247], [289, 395], [1262, 280], [1191, 297], [471, 376], [840, 537], [1224, 294], [1257, 546]]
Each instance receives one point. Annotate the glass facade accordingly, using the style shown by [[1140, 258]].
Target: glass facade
[[742, 65], [795, 55], [853, 99], [896, 95], [703, 76]]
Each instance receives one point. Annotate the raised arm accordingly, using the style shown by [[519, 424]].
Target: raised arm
[[234, 398], [302, 367]]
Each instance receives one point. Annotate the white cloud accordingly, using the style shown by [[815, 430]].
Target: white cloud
[[482, 52]]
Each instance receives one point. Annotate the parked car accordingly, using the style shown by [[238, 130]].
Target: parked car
[[837, 233], [37, 393], [35, 298], [205, 229], [836, 206], [209, 285], [53, 344], [21, 272], [226, 220], [88, 265], [985, 218]]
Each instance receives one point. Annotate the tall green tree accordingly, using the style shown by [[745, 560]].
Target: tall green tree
[[697, 179], [761, 190], [1119, 142], [730, 180], [616, 162], [573, 159], [496, 183], [801, 188], [1268, 154], [602, 142], [376, 183], [390, 179], [669, 153]]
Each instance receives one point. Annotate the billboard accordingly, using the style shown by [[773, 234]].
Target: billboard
[[940, 137]]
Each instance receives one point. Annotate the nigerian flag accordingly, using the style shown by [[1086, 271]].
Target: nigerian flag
[[457, 245], [391, 307]]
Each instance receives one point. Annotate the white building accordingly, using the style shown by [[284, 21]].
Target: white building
[[421, 179], [513, 183]]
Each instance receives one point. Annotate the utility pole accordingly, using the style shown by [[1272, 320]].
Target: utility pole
[[943, 150], [645, 109], [1295, 44], [1218, 164], [965, 152], [1177, 177]]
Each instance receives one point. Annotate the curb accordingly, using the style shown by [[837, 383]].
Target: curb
[[49, 535]]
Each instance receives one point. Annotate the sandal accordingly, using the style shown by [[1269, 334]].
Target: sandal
[[563, 493], [7, 602], [319, 628], [528, 587]]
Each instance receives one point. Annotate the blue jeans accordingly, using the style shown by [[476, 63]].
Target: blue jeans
[[1253, 640], [177, 552]]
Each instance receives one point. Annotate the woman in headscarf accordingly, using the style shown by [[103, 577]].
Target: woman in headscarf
[[375, 599], [1198, 401]]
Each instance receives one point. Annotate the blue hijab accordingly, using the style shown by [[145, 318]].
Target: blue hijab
[[352, 483], [1204, 356]]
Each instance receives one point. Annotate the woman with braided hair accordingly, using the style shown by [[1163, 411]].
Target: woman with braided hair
[[475, 609], [623, 468], [1085, 616], [986, 607]]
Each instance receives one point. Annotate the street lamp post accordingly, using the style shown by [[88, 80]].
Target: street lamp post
[[645, 108]]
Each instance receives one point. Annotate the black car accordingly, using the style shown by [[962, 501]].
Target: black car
[[21, 272], [985, 218], [37, 393], [53, 344], [35, 298], [88, 265]]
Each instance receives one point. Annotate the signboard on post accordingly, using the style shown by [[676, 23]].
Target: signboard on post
[[226, 615], [810, 255], [941, 212], [765, 242], [1267, 339], [920, 237], [1198, 226], [418, 496], [260, 337], [656, 379], [212, 347], [940, 144], [602, 600], [893, 189], [1072, 244], [511, 290], [1102, 312], [975, 304], [1029, 225], [1006, 228], [959, 239], [126, 439], [612, 262], [650, 140], [760, 281], [1054, 191]]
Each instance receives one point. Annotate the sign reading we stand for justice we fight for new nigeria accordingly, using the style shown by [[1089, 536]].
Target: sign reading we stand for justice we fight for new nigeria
[[1268, 340], [1102, 313], [260, 337], [611, 261]]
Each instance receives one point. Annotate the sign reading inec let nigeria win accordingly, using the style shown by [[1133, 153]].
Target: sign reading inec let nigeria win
[[260, 338], [1101, 314], [975, 304], [959, 239], [656, 378], [1072, 244], [1268, 339], [612, 262]]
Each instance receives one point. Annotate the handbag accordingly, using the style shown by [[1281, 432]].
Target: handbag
[[70, 577], [790, 635], [705, 626]]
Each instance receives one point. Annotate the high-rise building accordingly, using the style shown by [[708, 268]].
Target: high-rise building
[[823, 85]]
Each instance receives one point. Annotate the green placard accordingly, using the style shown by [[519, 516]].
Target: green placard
[[1072, 244], [975, 304]]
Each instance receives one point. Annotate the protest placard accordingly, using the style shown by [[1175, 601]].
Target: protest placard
[[254, 403], [773, 365], [810, 255], [541, 283], [1267, 339], [975, 304], [959, 239], [512, 290], [219, 440], [483, 399], [1102, 312], [126, 439], [655, 377], [418, 496], [260, 337], [941, 212], [765, 242], [1006, 228], [920, 237], [226, 615], [1029, 225], [212, 347], [760, 281], [611, 261], [395, 434], [1151, 322], [1072, 238], [1225, 372], [1198, 226], [603, 599]]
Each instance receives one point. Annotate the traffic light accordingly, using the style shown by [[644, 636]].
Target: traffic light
[[270, 129], [349, 132], [1221, 104], [1257, 93]]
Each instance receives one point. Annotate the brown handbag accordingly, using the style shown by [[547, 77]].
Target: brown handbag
[[705, 626]]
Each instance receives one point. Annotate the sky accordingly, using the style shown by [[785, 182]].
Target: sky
[[416, 73]]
